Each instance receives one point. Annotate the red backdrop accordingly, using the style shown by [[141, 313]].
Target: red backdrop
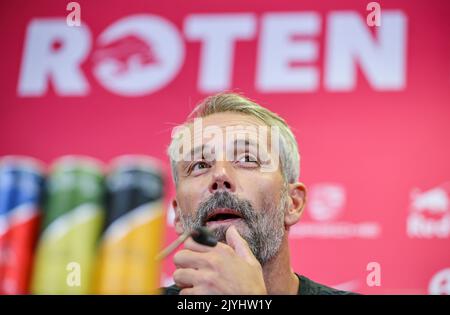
[[369, 106]]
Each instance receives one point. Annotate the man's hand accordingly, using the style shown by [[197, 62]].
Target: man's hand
[[223, 269]]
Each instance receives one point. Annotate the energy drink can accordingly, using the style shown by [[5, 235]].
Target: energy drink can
[[21, 186], [134, 228], [72, 223]]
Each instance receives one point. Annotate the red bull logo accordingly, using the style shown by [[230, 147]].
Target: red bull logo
[[429, 215], [440, 283], [126, 52], [326, 203]]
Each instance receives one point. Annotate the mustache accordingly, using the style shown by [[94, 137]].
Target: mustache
[[224, 199]]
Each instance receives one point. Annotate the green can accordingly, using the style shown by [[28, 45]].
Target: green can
[[72, 223]]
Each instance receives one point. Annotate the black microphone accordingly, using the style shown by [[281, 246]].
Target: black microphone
[[201, 235], [204, 236]]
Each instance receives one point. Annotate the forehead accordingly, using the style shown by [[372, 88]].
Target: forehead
[[227, 127], [231, 119], [222, 129]]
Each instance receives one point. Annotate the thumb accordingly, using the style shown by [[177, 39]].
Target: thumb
[[240, 246]]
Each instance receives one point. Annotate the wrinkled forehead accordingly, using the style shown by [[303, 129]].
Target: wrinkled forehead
[[223, 134], [228, 120]]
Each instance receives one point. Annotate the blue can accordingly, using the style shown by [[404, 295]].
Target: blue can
[[21, 191]]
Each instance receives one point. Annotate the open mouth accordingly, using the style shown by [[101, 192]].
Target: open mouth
[[223, 215]]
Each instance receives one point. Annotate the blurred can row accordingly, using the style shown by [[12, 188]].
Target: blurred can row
[[80, 226]]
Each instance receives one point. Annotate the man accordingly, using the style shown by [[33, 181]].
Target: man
[[236, 166]]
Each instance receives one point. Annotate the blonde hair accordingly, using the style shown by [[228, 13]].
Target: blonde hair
[[232, 102]]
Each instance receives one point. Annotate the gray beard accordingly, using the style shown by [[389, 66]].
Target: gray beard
[[265, 228]]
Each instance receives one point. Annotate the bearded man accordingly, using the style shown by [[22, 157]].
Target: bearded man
[[236, 166]]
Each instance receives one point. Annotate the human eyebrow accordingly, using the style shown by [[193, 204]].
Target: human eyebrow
[[247, 145], [193, 153], [242, 146], [244, 143]]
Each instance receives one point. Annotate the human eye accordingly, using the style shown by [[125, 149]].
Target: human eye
[[248, 160], [198, 167]]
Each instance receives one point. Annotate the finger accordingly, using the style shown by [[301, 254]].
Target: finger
[[193, 245], [240, 246], [187, 258], [185, 277]]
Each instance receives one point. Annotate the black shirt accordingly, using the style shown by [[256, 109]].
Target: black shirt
[[306, 287]]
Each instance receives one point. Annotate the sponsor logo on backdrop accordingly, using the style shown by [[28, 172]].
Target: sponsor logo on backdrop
[[141, 54], [440, 283], [138, 55], [326, 204], [429, 213]]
